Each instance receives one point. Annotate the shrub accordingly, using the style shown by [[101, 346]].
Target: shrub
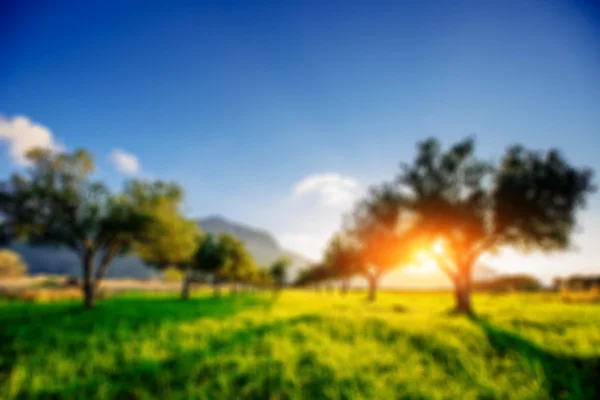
[[519, 282], [582, 296], [49, 283], [11, 265]]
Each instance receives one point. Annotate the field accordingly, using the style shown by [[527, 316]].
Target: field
[[301, 345]]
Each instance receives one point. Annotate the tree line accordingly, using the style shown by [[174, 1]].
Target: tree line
[[56, 201], [451, 206], [446, 205]]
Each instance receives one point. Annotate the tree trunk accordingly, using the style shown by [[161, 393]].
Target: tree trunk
[[88, 283], [462, 292], [216, 287], [185, 286], [107, 259], [372, 288]]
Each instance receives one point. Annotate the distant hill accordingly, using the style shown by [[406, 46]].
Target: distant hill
[[263, 246], [53, 260]]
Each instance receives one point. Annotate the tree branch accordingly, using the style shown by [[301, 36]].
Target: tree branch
[[107, 259], [481, 247], [446, 266]]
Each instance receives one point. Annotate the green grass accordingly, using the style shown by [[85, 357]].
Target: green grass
[[301, 345]]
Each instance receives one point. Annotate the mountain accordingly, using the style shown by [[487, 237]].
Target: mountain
[[54, 260], [263, 246], [260, 243]]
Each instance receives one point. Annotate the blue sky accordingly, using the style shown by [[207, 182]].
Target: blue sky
[[279, 114]]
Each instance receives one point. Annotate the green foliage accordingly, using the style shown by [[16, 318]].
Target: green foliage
[[237, 263], [170, 239], [209, 255], [58, 203], [261, 277], [172, 274], [11, 265], [301, 345], [278, 271]]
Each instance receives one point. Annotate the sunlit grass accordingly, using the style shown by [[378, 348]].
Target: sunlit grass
[[301, 345]]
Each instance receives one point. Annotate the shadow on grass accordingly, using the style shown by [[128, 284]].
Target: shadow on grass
[[34, 325], [566, 376], [219, 370]]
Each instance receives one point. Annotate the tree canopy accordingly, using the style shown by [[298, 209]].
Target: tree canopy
[[170, 239], [57, 202], [237, 263], [469, 206], [382, 232]]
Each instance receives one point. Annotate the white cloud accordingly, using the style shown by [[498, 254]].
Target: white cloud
[[22, 134], [332, 189], [126, 163], [309, 245]]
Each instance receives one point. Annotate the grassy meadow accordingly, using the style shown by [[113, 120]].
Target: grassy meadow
[[300, 345]]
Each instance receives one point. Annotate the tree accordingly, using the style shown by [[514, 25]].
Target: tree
[[383, 233], [209, 259], [278, 271], [465, 207], [342, 256], [170, 240], [172, 274], [11, 265], [57, 203], [262, 278], [237, 263], [314, 274]]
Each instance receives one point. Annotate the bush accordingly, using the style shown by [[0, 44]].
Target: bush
[[49, 283], [577, 282], [72, 281], [11, 265], [582, 296], [520, 282]]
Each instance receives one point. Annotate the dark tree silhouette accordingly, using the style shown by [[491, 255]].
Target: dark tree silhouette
[[209, 259], [382, 230], [314, 274], [470, 207], [278, 272], [342, 257]]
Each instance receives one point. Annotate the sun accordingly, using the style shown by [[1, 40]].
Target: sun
[[438, 247], [426, 257]]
